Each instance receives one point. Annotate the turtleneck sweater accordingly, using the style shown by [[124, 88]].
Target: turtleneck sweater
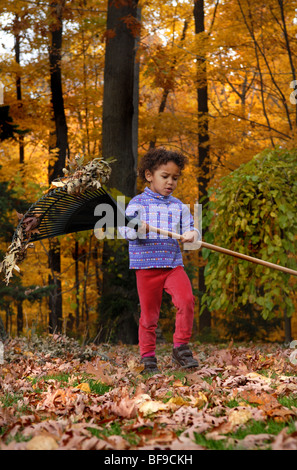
[[152, 250]]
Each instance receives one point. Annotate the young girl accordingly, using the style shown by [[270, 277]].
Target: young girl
[[157, 259]]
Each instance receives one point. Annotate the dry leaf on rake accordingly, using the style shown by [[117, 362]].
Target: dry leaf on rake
[[80, 178], [16, 252]]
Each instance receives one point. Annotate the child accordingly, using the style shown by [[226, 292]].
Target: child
[[157, 259]]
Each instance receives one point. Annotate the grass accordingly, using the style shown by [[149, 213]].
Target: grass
[[95, 385], [211, 444], [288, 401], [232, 440], [98, 387], [115, 429], [11, 399]]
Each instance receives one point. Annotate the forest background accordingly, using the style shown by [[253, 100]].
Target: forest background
[[213, 79]]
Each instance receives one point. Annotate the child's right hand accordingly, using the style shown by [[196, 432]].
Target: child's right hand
[[144, 228], [190, 236]]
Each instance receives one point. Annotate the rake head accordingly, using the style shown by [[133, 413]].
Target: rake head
[[67, 207], [59, 213]]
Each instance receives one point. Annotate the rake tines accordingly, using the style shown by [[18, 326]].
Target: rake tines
[[59, 213]]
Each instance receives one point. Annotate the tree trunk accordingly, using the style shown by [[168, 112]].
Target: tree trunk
[[287, 328], [119, 141], [3, 334], [118, 98], [203, 146], [61, 143], [17, 27], [76, 285], [20, 318]]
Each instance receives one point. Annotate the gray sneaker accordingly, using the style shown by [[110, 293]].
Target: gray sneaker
[[150, 365], [183, 357]]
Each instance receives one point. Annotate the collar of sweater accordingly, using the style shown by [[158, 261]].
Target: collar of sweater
[[158, 196]]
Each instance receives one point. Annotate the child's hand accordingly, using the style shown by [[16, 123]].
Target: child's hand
[[144, 228], [189, 237]]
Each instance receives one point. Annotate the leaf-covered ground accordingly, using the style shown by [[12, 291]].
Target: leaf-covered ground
[[55, 394]]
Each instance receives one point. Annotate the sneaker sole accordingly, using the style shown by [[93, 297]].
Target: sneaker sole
[[150, 371], [194, 366]]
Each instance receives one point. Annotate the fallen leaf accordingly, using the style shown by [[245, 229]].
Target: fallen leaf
[[135, 367], [253, 441], [151, 406], [260, 377], [118, 442], [238, 417], [179, 383], [200, 400], [285, 441], [42, 442], [269, 404], [28, 353], [126, 408], [84, 387], [99, 372], [179, 401]]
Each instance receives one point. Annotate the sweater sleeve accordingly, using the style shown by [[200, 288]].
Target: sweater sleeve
[[187, 221], [129, 232]]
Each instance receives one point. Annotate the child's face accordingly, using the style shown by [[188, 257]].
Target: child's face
[[164, 179]]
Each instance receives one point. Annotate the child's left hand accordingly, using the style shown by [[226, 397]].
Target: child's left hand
[[189, 237]]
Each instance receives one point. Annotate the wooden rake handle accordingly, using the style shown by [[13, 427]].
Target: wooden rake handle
[[225, 251]]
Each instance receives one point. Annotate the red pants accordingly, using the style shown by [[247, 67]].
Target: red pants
[[150, 285]]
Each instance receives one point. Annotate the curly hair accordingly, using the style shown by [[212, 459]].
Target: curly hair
[[160, 156]]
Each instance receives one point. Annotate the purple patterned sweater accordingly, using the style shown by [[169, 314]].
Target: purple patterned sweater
[[152, 250]]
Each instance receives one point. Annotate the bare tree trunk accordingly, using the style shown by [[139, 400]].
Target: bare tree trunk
[[17, 26], [61, 143], [203, 145], [20, 317], [118, 98], [287, 327], [119, 127], [76, 285]]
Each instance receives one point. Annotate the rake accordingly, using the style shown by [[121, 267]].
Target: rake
[[60, 212], [235, 254]]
